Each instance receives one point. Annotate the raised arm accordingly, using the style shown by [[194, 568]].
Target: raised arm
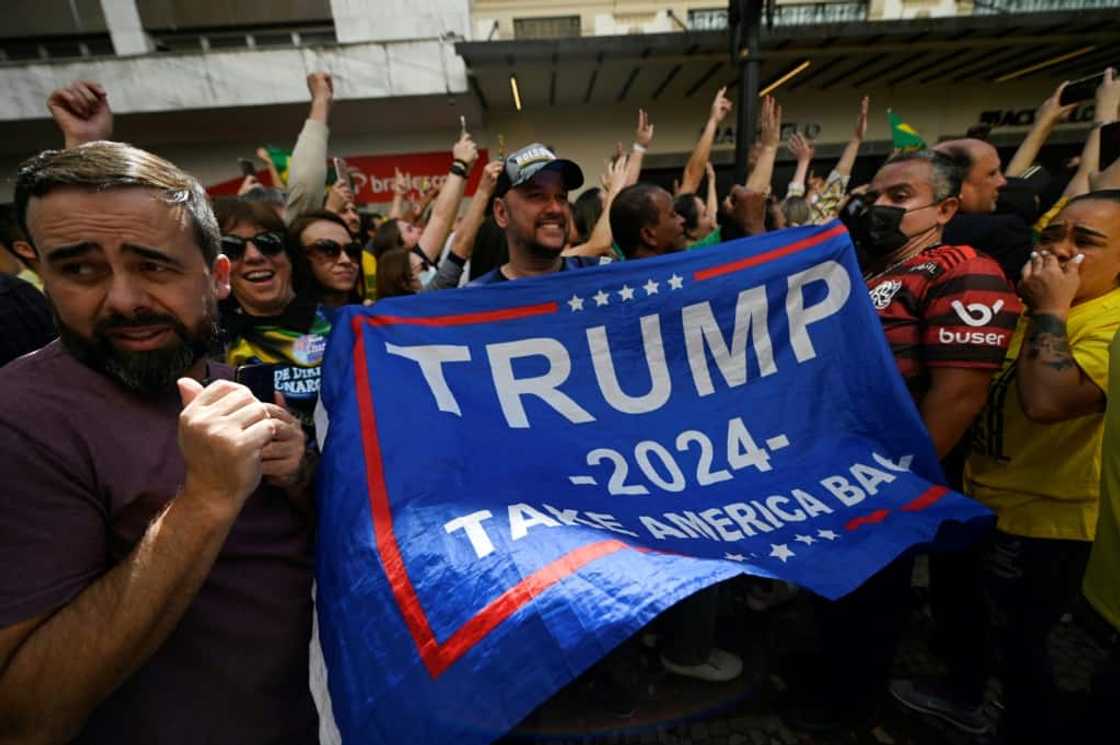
[[802, 150], [702, 153], [263, 156], [1049, 115], [1108, 101], [601, 238], [307, 168], [465, 153], [770, 126], [465, 236], [81, 111], [851, 150], [400, 190], [643, 137], [711, 204]]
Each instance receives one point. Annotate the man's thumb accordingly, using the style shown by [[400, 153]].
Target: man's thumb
[[1073, 266], [189, 388]]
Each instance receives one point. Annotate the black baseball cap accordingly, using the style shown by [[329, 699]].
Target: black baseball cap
[[530, 160]]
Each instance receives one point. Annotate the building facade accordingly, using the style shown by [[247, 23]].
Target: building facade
[[205, 83]]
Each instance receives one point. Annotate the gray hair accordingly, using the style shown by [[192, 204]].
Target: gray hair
[[946, 181], [113, 165]]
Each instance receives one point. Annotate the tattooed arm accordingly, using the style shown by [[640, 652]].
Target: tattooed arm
[[1052, 387]]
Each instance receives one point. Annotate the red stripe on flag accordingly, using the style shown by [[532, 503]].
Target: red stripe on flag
[[465, 319], [438, 657], [927, 499], [777, 253], [877, 516], [386, 542], [510, 601]]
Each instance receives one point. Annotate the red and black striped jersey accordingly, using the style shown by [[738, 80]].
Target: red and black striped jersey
[[949, 306]]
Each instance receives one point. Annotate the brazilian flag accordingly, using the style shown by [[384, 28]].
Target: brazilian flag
[[280, 159], [903, 135]]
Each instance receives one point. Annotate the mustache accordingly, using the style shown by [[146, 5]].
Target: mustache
[[140, 320]]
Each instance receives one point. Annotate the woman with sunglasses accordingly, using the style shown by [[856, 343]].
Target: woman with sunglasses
[[334, 258], [271, 319]]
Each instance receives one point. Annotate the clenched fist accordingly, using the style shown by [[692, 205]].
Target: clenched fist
[[223, 431]]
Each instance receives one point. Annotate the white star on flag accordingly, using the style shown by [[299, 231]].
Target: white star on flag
[[626, 293], [601, 298], [651, 287], [676, 282], [781, 551], [735, 557], [828, 535], [576, 303], [808, 540]]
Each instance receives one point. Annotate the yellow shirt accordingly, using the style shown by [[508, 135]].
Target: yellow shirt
[[1102, 576], [369, 269], [1043, 480]]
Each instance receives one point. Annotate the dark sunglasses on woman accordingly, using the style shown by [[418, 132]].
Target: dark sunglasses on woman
[[269, 244], [332, 249]]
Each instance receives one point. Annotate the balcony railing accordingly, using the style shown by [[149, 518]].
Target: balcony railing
[[786, 14], [997, 7]]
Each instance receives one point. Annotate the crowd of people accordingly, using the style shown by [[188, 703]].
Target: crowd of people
[[158, 457]]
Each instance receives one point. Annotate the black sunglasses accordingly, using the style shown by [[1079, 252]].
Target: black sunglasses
[[269, 244], [332, 249]]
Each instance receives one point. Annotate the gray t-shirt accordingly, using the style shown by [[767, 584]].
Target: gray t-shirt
[[85, 466]]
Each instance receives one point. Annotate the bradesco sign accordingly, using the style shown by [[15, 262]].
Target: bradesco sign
[[373, 175]]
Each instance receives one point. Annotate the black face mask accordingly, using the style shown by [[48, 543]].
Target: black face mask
[[875, 228]]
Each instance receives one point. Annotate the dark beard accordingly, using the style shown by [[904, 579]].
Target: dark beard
[[147, 373]]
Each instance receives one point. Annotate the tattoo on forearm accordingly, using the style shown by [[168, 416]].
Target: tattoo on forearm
[[1048, 343]]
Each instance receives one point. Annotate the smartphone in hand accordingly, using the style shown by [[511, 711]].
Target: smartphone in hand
[[259, 379], [1110, 144], [248, 168], [1084, 89], [342, 172]]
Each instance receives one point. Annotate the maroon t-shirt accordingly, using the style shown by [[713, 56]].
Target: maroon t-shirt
[[85, 466]]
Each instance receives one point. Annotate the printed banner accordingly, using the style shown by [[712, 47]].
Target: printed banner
[[373, 175], [518, 477]]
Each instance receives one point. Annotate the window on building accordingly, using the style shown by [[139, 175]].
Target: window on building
[[554, 27], [707, 19]]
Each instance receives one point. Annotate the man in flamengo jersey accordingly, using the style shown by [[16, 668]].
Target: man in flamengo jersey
[[948, 313]]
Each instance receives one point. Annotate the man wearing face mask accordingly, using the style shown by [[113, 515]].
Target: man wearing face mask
[[948, 313]]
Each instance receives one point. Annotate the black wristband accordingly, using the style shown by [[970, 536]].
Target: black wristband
[[459, 168]]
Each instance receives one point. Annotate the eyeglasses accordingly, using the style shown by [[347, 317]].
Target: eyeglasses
[[269, 244], [333, 249]]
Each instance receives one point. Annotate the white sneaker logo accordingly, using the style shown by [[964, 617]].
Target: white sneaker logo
[[977, 314]]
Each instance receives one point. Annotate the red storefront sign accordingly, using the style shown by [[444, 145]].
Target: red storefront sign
[[373, 175]]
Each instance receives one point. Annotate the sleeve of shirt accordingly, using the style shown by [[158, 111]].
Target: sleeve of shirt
[[307, 170], [970, 313], [1090, 350], [53, 538], [828, 201], [795, 189]]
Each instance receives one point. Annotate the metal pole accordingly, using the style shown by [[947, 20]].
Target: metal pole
[[747, 58]]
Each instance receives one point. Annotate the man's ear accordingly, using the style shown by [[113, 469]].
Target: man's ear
[[501, 213], [947, 210], [648, 236], [219, 276], [26, 252]]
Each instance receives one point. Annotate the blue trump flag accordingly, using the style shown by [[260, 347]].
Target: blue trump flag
[[519, 476]]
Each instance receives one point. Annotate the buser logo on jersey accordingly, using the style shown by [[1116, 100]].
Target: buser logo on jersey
[[990, 339]]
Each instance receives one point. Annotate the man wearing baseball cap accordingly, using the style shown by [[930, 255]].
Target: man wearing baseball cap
[[531, 206]]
